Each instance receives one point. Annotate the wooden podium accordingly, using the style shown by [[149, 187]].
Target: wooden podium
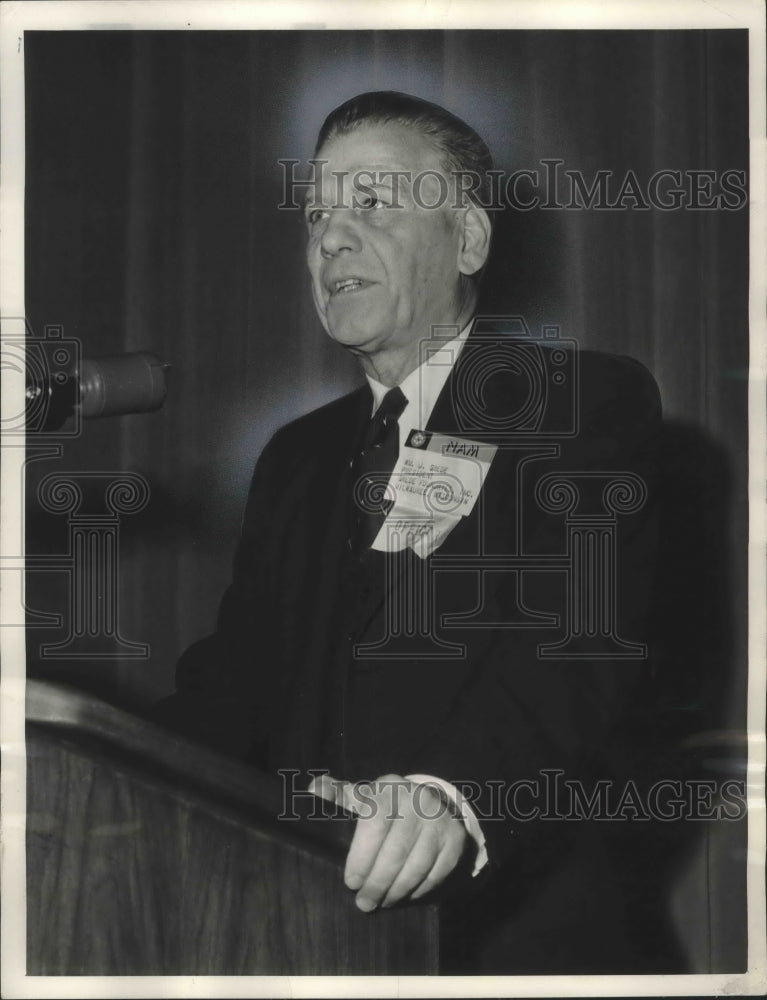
[[149, 855]]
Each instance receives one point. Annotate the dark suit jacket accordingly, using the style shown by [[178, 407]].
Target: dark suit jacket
[[292, 679]]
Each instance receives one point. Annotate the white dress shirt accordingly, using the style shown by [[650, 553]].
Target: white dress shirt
[[422, 386]]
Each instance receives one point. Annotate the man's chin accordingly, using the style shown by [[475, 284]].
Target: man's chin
[[355, 339]]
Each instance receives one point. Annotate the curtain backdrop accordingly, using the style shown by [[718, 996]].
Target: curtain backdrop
[[153, 187]]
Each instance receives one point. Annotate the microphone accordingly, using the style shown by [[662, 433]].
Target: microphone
[[97, 387]]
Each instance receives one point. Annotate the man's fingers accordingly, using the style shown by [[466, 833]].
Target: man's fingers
[[357, 798], [429, 863], [446, 861], [322, 787], [378, 806], [330, 789], [372, 827], [401, 846], [395, 855], [419, 863]]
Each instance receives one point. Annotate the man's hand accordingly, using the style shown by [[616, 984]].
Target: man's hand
[[407, 840]]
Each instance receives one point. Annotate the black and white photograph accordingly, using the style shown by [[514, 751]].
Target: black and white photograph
[[383, 534]]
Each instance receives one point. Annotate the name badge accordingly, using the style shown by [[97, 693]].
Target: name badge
[[436, 482]]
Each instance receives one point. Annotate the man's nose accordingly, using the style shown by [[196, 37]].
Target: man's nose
[[340, 233]]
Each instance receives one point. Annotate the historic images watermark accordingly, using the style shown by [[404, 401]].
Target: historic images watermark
[[548, 796], [550, 185]]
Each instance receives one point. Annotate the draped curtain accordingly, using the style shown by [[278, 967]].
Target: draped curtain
[[153, 187]]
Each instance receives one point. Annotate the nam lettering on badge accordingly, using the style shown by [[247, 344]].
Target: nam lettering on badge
[[435, 482]]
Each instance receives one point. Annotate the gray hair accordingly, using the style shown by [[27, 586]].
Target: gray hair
[[460, 148]]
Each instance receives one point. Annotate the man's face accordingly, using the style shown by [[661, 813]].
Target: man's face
[[382, 275]]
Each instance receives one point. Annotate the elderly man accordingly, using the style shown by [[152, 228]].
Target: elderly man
[[422, 659]]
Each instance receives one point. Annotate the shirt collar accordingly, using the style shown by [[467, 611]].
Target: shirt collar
[[423, 385]]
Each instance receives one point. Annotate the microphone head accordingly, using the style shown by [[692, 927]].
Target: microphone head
[[124, 383]]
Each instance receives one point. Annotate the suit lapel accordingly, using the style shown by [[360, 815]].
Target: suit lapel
[[385, 571]]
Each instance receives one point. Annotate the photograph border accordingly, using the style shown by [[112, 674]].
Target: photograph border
[[15, 20]]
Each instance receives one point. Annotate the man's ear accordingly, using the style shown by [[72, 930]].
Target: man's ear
[[474, 245]]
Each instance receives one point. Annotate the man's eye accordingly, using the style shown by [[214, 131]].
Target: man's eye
[[368, 200], [315, 215]]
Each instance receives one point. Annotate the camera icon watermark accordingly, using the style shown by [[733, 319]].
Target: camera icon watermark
[[543, 371], [45, 368]]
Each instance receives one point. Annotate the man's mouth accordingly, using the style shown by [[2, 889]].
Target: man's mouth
[[345, 286]]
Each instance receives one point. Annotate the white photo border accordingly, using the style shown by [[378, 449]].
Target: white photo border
[[15, 19]]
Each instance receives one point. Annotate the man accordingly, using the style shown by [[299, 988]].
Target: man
[[347, 535]]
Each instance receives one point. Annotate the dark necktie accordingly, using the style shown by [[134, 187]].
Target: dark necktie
[[371, 471]]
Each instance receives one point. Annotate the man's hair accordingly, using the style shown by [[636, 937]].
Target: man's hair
[[459, 147]]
